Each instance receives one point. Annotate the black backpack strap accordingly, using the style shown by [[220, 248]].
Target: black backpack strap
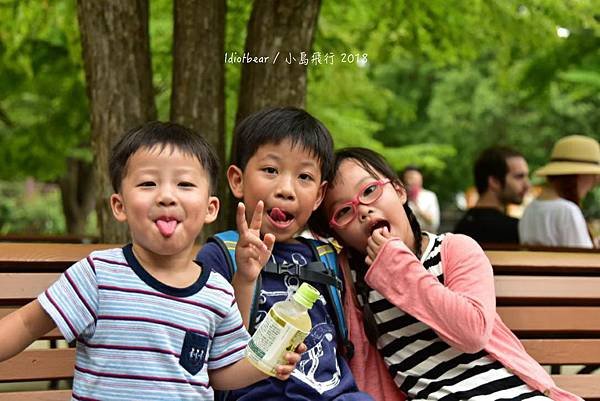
[[254, 307], [226, 241], [316, 272], [327, 258]]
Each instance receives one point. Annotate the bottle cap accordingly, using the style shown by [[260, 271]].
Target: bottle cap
[[306, 295]]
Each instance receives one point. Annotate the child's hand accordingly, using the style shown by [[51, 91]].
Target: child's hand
[[251, 253], [284, 371], [375, 242]]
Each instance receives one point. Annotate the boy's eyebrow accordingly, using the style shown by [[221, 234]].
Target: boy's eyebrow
[[276, 157], [154, 170]]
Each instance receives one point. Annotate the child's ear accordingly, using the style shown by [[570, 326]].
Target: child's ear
[[212, 209], [235, 177], [118, 207], [401, 191], [320, 195]]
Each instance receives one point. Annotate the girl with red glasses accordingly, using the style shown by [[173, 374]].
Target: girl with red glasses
[[428, 301]]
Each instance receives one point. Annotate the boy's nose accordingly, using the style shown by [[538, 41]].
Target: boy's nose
[[165, 197], [285, 189]]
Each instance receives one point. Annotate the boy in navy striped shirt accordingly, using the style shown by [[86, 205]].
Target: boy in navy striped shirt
[[149, 322]]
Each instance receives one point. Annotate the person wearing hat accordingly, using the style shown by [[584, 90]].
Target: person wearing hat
[[555, 217]]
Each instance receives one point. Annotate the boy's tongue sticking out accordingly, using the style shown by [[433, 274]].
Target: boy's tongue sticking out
[[278, 214], [166, 226]]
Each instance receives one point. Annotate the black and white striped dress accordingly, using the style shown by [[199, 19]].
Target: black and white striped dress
[[425, 367]]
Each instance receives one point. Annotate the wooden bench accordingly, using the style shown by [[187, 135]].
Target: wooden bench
[[61, 239], [551, 300], [26, 270]]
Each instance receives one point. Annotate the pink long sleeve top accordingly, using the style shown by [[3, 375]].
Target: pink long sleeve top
[[462, 310]]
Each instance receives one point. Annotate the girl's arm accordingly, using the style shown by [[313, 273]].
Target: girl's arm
[[22, 327], [242, 373], [462, 310]]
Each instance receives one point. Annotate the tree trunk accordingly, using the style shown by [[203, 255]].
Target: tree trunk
[[279, 30], [116, 56], [77, 188], [198, 89]]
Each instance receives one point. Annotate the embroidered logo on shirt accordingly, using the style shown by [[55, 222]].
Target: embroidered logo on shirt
[[193, 352]]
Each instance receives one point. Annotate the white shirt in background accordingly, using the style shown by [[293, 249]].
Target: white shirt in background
[[555, 222]]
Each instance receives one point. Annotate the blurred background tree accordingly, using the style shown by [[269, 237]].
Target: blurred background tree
[[431, 83]]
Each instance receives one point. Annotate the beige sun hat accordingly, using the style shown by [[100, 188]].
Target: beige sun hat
[[573, 154]]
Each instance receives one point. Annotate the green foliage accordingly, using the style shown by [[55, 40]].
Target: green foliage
[[21, 213], [238, 15], [445, 79], [43, 103], [161, 42], [591, 205]]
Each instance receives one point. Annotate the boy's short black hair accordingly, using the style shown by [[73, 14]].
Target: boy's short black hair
[[492, 163], [162, 134], [273, 125]]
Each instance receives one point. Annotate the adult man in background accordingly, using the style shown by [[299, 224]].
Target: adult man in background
[[423, 203], [501, 177]]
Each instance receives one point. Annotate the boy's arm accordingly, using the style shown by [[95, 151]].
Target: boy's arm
[[251, 254], [242, 373], [22, 327]]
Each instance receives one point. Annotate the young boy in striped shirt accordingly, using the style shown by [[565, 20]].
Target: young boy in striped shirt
[[149, 322]]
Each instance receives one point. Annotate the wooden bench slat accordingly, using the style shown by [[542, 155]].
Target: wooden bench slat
[[52, 395], [564, 351], [585, 386], [43, 364], [544, 262], [547, 290], [24, 286], [528, 320], [33, 253]]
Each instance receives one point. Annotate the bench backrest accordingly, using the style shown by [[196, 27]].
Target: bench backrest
[[26, 270], [551, 300]]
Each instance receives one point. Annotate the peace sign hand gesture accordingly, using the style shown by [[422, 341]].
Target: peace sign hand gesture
[[251, 252]]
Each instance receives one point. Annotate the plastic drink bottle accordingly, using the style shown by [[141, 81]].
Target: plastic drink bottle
[[286, 325]]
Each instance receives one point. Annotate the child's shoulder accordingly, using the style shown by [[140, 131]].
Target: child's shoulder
[[111, 253], [104, 257], [217, 282]]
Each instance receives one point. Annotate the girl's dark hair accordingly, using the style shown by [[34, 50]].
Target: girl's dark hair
[[376, 165], [566, 187]]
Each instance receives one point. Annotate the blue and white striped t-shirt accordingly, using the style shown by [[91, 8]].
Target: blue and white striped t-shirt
[[139, 339]]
